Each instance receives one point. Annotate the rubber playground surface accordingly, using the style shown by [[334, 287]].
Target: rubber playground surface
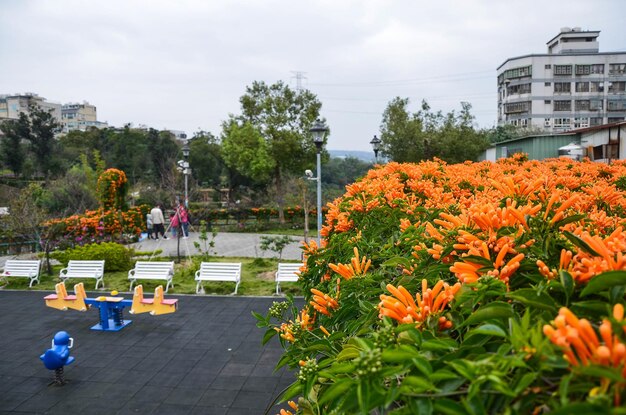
[[206, 358]]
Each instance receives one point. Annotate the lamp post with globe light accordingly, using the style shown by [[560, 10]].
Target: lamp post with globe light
[[376, 146], [319, 130]]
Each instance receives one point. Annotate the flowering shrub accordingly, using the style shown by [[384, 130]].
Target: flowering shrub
[[98, 226], [112, 188], [470, 288]]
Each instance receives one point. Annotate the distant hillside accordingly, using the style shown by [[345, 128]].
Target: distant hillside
[[361, 155]]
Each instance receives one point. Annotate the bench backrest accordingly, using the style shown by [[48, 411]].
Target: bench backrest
[[161, 268], [22, 267], [85, 267], [220, 271], [288, 272]]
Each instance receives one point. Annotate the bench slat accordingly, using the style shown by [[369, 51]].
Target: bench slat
[[287, 273]]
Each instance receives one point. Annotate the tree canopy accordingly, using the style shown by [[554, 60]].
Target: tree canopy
[[412, 137]]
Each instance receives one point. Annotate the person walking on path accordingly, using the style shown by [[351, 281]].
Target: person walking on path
[[149, 226], [158, 221], [183, 218]]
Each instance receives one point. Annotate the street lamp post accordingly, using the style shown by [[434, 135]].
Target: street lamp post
[[376, 146], [319, 130], [186, 171]]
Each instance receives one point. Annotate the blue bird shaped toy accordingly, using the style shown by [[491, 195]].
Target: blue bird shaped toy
[[59, 355]]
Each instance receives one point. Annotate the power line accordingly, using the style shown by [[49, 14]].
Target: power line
[[450, 78]]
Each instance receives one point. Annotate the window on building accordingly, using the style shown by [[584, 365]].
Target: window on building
[[561, 123], [597, 68], [596, 86], [562, 105], [615, 119], [519, 89], [548, 66], [547, 101], [581, 122], [589, 69], [548, 84], [595, 121], [583, 69], [562, 87], [617, 68], [582, 86], [547, 122], [615, 87], [581, 105], [517, 107], [563, 70], [518, 72], [596, 104], [616, 105]]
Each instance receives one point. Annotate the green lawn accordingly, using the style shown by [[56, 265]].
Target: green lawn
[[257, 279]]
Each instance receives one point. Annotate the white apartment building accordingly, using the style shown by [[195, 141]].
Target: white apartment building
[[77, 116], [572, 86], [12, 105]]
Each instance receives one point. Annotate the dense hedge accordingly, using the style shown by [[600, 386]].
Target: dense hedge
[[464, 289]]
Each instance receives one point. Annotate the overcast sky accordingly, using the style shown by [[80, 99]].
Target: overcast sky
[[184, 64]]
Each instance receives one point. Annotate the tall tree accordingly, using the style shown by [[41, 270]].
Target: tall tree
[[205, 159], [42, 127], [12, 151], [283, 117]]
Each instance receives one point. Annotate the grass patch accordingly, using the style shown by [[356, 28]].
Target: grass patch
[[257, 279]]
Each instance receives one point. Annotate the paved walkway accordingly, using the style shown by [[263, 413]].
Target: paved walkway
[[226, 244], [206, 358]]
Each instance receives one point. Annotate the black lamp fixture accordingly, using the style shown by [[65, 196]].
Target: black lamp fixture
[[376, 146], [318, 130], [186, 149]]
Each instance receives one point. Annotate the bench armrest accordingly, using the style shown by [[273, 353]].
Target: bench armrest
[[131, 273], [63, 271]]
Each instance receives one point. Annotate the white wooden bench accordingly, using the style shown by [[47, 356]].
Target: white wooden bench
[[219, 271], [22, 268], [287, 273], [84, 269], [156, 270]]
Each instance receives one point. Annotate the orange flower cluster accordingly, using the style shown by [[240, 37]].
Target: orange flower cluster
[[401, 306], [582, 346], [356, 267], [608, 255], [293, 406], [289, 331], [492, 210], [323, 303], [98, 223]]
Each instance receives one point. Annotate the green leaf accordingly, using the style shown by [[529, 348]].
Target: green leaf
[[604, 281], [591, 306], [340, 368], [291, 391], [579, 408], [400, 354], [494, 310], [268, 335], [423, 365], [258, 316], [569, 219], [363, 396], [448, 407], [335, 391], [487, 329], [568, 284], [524, 382], [531, 297], [464, 368], [416, 384], [580, 243], [439, 344], [395, 261], [349, 352]]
